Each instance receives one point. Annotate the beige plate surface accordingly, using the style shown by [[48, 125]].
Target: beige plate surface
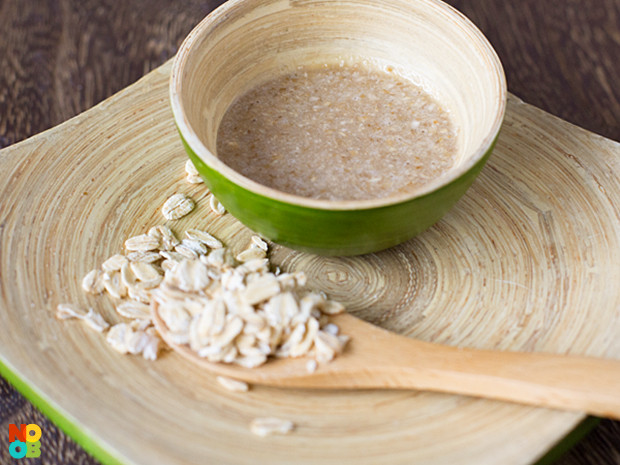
[[528, 260]]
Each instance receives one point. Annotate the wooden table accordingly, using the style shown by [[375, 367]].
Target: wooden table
[[60, 57]]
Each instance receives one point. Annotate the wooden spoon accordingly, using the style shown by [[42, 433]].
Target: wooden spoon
[[376, 358]]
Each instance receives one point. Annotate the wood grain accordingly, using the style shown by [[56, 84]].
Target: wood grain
[[58, 57], [561, 56], [515, 266]]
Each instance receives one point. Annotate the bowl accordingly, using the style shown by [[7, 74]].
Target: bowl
[[246, 42]]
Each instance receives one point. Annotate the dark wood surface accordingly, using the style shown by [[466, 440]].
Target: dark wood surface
[[60, 57]]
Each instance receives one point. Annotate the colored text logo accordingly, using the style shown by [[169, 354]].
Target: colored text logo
[[24, 441]]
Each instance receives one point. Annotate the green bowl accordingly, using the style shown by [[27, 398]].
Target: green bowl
[[244, 43]]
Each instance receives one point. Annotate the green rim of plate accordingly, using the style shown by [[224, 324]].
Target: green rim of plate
[[61, 419], [569, 441], [90, 445]]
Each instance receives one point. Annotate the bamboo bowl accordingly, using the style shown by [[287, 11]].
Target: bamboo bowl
[[244, 43]]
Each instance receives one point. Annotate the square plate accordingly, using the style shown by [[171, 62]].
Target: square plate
[[528, 260]]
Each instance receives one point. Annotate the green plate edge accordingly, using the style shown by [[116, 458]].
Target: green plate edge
[[60, 419], [90, 445], [569, 441]]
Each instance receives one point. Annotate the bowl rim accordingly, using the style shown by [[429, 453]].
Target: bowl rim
[[223, 13]]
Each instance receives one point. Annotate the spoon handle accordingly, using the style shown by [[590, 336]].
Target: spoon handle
[[566, 382]]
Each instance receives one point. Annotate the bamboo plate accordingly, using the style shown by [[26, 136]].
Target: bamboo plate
[[528, 260]]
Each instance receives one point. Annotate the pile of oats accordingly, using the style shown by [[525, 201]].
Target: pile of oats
[[225, 308], [238, 311]]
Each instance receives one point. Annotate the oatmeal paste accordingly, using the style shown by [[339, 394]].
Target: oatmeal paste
[[338, 133]]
